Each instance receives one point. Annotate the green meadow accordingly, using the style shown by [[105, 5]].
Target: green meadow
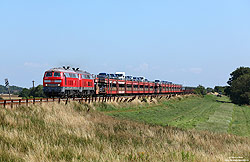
[[210, 113]]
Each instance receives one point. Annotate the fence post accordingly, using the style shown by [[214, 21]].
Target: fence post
[[27, 102], [34, 100], [4, 103], [20, 100], [11, 104], [59, 100], [66, 102]]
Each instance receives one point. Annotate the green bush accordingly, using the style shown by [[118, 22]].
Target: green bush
[[240, 90], [239, 86], [200, 90]]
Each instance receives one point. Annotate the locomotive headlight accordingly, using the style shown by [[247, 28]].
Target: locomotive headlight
[[57, 81], [47, 81], [58, 85]]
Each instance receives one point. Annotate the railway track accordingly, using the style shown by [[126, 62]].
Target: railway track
[[18, 102]]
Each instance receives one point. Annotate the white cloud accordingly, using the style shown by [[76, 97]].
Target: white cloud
[[35, 65], [195, 70], [142, 67]]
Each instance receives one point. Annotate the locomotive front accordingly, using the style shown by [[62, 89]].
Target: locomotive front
[[52, 83]]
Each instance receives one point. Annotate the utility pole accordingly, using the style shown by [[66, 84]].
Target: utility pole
[[33, 83]]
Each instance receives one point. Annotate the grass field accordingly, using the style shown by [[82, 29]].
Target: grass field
[[208, 113], [55, 132]]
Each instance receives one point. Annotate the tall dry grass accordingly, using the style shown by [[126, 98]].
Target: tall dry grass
[[55, 132]]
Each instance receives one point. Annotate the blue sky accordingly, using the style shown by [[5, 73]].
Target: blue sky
[[189, 42]]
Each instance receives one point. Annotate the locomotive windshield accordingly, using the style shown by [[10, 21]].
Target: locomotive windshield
[[57, 74], [48, 74]]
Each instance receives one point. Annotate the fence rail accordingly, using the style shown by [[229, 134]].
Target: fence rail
[[19, 102]]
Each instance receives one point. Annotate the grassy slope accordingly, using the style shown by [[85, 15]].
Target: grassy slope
[[240, 124], [192, 112], [53, 132]]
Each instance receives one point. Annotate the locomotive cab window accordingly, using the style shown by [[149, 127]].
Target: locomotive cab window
[[57, 74], [48, 74]]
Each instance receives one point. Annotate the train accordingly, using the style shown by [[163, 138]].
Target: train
[[73, 82]]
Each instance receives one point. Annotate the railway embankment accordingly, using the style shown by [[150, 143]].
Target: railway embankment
[[142, 130]]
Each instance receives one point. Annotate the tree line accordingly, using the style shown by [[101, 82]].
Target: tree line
[[23, 92], [238, 88], [13, 89], [32, 92]]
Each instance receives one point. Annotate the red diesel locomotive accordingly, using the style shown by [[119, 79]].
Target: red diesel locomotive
[[64, 82], [68, 82]]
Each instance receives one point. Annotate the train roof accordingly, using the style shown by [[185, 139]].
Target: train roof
[[69, 70], [82, 72]]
